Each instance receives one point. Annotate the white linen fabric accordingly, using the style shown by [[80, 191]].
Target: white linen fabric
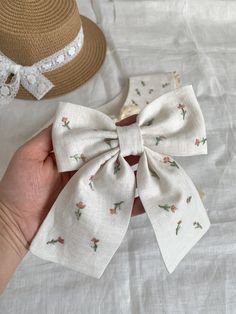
[[88, 221], [31, 77], [196, 39]]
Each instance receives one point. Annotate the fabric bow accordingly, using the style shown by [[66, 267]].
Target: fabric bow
[[88, 221], [27, 76]]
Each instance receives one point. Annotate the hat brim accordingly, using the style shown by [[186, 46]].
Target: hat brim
[[83, 67]]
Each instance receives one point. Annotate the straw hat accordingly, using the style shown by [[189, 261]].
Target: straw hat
[[31, 30]]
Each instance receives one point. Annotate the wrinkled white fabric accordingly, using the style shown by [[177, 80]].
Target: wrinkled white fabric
[[196, 39], [88, 221]]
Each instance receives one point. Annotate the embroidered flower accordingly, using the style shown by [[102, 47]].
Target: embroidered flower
[[77, 157], [159, 138], [66, 122], [167, 207], [78, 212], [117, 166], [197, 225], [94, 244], [183, 113], [179, 225], [202, 141], [116, 206], [188, 200], [91, 183], [59, 240], [171, 162]]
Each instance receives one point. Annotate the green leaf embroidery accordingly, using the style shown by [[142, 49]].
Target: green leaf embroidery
[[137, 91], [77, 157], [91, 184], [183, 111], [159, 138], [197, 225], [179, 225], [188, 200], [59, 240], [166, 207], [143, 83]]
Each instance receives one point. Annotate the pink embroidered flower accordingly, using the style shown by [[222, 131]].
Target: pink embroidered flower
[[181, 106], [80, 205], [83, 157], [197, 142], [60, 240], [66, 122], [171, 162], [173, 208], [116, 206], [113, 211], [166, 159]]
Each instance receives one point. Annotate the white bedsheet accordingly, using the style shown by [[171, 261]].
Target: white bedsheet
[[197, 39]]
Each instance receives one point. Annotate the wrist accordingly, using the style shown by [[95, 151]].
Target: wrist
[[13, 246]]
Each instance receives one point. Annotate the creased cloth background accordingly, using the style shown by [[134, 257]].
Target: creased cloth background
[[196, 39]]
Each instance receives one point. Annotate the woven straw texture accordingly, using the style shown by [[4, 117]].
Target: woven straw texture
[[31, 30]]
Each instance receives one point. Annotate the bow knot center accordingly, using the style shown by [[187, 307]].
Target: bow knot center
[[130, 140]]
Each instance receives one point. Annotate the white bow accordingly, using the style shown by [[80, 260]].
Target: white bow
[[88, 221], [31, 77]]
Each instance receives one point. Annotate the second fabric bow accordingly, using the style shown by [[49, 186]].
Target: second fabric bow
[[89, 220]]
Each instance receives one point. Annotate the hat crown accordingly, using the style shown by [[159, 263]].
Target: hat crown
[[31, 30]]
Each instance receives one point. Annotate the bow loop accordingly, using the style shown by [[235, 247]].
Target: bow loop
[[173, 124]]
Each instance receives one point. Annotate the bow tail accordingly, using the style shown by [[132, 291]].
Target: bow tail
[[8, 91], [173, 205], [88, 221], [35, 83]]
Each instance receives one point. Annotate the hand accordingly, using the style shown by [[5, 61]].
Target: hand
[[32, 182]]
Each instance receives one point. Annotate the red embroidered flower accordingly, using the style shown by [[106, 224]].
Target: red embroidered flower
[[113, 211], [83, 157], [181, 106], [166, 159], [179, 222], [64, 119], [173, 208], [197, 142], [60, 240], [81, 205]]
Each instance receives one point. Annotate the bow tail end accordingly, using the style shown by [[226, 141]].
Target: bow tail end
[[173, 205], [86, 224]]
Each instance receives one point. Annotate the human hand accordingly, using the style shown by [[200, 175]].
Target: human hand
[[32, 182]]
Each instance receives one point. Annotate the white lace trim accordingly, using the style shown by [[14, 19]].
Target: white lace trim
[[31, 77]]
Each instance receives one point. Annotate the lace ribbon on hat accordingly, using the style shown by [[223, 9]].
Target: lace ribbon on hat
[[31, 77]]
